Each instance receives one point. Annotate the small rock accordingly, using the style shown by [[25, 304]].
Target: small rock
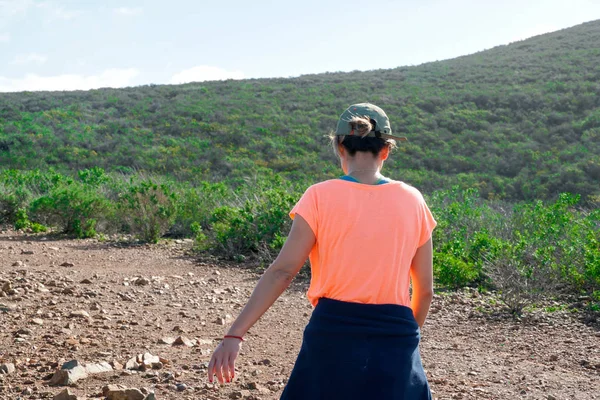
[[132, 364], [67, 264], [69, 373], [181, 387], [183, 341], [125, 394], [117, 366], [98, 368], [7, 369], [109, 388], [239, 394], [150, 361], [5, 308], [86, 281], [79, 314], [65, 395], [38, 321], [142, 281], [166, 340]]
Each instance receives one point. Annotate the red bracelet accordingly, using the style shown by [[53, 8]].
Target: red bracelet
[[233, 337]]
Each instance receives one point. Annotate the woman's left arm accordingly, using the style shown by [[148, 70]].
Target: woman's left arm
[[273, 282]]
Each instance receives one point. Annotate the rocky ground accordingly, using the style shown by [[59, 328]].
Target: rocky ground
[[139, 322]]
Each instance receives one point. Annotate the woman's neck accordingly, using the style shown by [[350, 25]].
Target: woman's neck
[[364, 167], [369, 176]]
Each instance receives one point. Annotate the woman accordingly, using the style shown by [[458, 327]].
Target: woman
[[366, 236]]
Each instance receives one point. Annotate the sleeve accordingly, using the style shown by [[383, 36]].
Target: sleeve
[[307, 209], [428, 223]]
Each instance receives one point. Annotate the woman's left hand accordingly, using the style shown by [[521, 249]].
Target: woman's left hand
[[222, 362]]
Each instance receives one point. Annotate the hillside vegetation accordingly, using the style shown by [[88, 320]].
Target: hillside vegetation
[[517, 122], [504, 143]]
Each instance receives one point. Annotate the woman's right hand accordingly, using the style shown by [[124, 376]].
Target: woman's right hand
[[222, 362]]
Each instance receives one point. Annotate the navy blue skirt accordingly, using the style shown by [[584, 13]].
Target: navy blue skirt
[[359, 351]]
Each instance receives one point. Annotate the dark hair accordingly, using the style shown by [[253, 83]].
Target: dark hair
[[360, 141]]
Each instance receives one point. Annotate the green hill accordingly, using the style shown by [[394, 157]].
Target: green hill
[[517, 122]]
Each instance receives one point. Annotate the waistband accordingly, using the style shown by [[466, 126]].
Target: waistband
[[377, 319]]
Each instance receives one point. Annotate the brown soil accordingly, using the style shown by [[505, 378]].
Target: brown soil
[[470, 350]]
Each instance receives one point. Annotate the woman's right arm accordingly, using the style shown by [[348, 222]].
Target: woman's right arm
[[421, 273]]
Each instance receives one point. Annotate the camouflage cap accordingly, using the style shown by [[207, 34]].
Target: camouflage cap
[[378, 117]]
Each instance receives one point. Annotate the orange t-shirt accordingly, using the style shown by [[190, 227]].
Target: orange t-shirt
[[366, 238]]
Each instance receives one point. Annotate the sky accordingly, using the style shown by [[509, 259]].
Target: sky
[[85, 44]]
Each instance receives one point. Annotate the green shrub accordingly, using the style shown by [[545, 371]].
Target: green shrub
[[148, 210], [452, 271], [21, 219], [74, 208], [94, 176], [201, 242], [258, 227], [12, 199], [196, 205]]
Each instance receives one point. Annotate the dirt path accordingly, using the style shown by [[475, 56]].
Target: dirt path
[[467, 354]]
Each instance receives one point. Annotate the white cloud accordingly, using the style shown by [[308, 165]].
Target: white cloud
[[534, 31], [9, 8], [202, 73], [54, 11], [31, 58], [32, 82], [128, 11], [4, 38]]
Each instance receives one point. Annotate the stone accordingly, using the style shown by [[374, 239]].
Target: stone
[[143, 362], [37, 321], [261, 389], [109, 388], [150, 396], [181, 387], [150, 361], [117, 366], [5, 308], [79, 314], [142, 281], [67, 264], [239, 394], [183, 341], [132, 364], [7, 369], [86, 281], [98, 368], [70, 372], [65, 395], [166, 340], [6, 287], [24, 332], [124, 394]]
